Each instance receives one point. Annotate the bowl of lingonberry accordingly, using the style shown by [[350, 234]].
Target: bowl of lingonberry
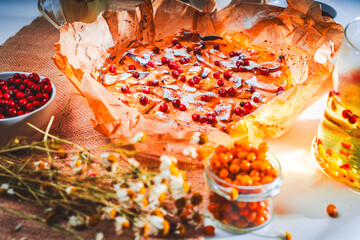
[[24, 98], [243, 181]]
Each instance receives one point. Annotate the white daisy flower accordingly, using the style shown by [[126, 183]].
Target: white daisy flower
[[76, 221], [99, 236], [190, 152]]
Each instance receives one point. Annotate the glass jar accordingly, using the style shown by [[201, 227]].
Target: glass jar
[[337, 144], [242, 209]]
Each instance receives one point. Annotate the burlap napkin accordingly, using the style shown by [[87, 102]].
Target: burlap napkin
[[30, 50]]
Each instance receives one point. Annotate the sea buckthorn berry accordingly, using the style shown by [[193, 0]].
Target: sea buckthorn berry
[[245, 166], [234, 168], [216, 74], [227, 75], [112, 69], [224, 173], [332, 210], [216, 46]]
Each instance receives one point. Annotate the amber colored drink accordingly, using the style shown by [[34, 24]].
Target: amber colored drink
[[82, 10], [337, 147]]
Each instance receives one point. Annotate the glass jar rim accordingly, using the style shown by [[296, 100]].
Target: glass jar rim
[[346, 37], [227, 184]]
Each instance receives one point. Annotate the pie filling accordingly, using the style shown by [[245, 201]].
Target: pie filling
[[195, 79]]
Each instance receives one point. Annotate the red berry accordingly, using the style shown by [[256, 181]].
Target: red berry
[[17, 75], [246, 62], [21, 112], [239, 63], [143, 100], [136, 74], [45, 95], [216, 46], [156, 50], [202, 119], [21, 87], [188, 59], [197, 79], [241, 69], [217, 63], [171, 64], [264, 71], [197, 51], [182, 107], [11, 112], [150, 63], [232, 92], [22, 102], [220, 82], [112, 69], [47, 88], [216, 74], [2, 116], [352, 119], [222, 92], [183, 78], [196, 64], [178, 45], [191, 82], [204, 98], [11, 81], [29, 106], [246, 111], [10, 104], [132, 67], [227, 75], [125, 89], [18, 81], [164, 60], [34, 78], [155, 82], [248, 105], [36, 103], [20, 95], [182, 61], [4, 88], [176, 103], [163, 107], [280, 89], [45, 81], [237, 111], [174, 41], [256, 99], [211, 119], [175, 74], [232, 54], [150, 83], [6, 96], [146, 90], [30, 98], [39, 96], [195, 117]]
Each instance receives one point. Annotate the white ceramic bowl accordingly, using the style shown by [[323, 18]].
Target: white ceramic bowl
[[16, 126]]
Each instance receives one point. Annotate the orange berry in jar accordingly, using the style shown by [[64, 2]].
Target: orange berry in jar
[[265, 166], [242, 155], [267, 179], [272, 172], [234, 168], [254, 173], [215, 164], [261, 206], [245, 166], [261, 156], [251, 156], [259, 220], [246, 180], [224, 173], [220, 149], [251, 216], [256, 179], [244, 211], [256, 165], [246, 146], [228, 180], [252, 205], [241, 204], [224, 158], [234, 216], [242, 223]]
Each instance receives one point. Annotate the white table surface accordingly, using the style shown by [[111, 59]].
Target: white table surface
[[301, 205]]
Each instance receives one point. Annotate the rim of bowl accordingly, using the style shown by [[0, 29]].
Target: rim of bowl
[[52, 97], [274, 182]]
